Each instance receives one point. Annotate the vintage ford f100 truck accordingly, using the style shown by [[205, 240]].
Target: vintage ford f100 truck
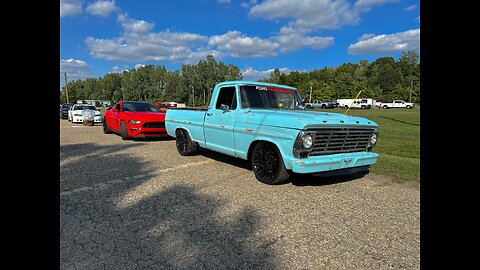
[[268, 125]]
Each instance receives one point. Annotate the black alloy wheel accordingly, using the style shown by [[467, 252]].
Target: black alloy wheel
[[185, 146], [106, 130], [267, 164], [123, 131]]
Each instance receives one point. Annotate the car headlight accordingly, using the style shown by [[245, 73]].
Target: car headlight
[[307, 141], [303, 145], [134, 121], [373, 139]]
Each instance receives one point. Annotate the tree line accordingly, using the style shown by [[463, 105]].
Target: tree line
[[192, 84], [384, 79]]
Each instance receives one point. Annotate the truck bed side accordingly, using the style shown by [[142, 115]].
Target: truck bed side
[[190, 119]]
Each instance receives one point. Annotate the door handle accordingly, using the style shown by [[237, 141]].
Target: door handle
[[209, 113]]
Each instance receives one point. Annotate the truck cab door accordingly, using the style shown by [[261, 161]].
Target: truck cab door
[[220, 120]]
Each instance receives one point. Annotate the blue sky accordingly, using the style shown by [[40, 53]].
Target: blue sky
[[98, 37]]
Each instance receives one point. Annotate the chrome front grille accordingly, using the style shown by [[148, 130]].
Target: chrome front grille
[[329, 141]]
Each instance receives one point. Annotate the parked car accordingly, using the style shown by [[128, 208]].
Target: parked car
[[268, 125], [64, 110], [134, 119], [329, 104], [397, 104], [323, 104], [75, 113]]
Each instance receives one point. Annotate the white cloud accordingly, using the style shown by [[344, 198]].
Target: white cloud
[[134, 26], [291, 40], [366, 5], [102, 8], [139, 43], [137, 66], [250, 74], [248, 4], [238, 45], [365, 37], [410, 8], [307, 15], [381, 44], [70, 8], [75, 69], [223, 1], [73, 66]]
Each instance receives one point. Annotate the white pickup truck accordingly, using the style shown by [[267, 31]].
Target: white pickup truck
[[396, 104]]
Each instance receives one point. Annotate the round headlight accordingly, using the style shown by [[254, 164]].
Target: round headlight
[[373, 139], [307, 141]]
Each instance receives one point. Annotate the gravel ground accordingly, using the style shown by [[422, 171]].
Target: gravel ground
[[140, 205]]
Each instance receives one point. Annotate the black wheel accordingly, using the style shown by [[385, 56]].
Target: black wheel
[[409, 107], [385, 107], [323, 106], [267, 164], [363, 107], [106, 130], [309, 107], [185, 146], [123, 131]]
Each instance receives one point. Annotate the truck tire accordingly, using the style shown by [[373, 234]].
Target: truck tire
[[363, 107], [385, 106], [267, 164], [123, 131], [106, 130], [309, 107], [324, 106], [185, 146], [409, 107]]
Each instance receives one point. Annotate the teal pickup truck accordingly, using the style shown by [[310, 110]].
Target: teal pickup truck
[[268, 125]]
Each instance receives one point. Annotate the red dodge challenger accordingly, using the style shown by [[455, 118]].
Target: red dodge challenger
[[134, 119]]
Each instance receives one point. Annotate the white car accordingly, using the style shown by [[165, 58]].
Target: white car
[[75, 113]]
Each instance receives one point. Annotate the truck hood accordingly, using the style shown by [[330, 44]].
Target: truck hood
[[301, 119]]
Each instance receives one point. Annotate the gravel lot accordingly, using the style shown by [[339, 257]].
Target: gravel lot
[[140, 205]]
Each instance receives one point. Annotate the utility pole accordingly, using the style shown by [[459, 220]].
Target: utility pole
[[411, 88], [311, 84], [66, 86]]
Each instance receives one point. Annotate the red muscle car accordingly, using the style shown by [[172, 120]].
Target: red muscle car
[[135, 119]]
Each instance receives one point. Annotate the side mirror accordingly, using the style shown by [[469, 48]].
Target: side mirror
[[224, 108], [114, 110]]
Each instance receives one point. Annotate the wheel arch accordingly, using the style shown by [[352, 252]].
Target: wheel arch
[[188, 131], [285, 157]]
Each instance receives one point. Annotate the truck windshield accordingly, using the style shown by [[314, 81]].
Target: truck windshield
[[269, 97]]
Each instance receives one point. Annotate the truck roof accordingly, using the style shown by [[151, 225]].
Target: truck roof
[[257, 83]]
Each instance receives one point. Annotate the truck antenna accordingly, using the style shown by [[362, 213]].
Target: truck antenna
[[353, 102]]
